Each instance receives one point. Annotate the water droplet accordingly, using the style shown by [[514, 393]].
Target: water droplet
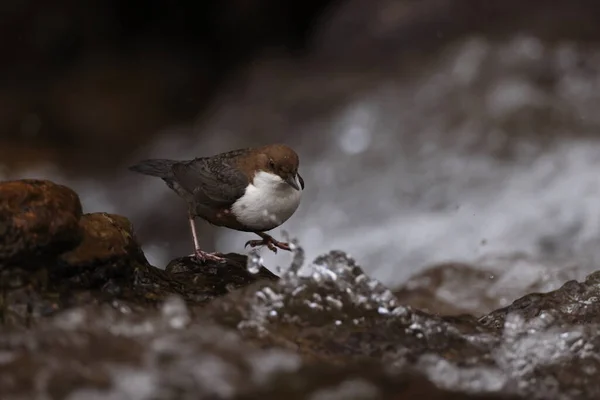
[[383, 311], [121, 307], [297, 257], [399, 311], [71, 319], [175, 312], [254, 262], [356, 129], [334, 303]]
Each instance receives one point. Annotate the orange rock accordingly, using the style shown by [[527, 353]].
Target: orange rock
[[37, 217], [106, 237]]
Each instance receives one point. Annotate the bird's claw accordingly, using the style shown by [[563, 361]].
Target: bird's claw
[[255, 243], [203, 256], [272, 244]]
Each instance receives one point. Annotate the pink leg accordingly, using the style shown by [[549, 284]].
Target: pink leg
[[201, 255]]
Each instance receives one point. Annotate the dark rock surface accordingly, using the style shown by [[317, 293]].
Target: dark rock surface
[[574, 303], [457, 288], [53, 257], [84, 315]]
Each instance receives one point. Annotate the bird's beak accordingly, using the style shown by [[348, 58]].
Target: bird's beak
[[293, 181]]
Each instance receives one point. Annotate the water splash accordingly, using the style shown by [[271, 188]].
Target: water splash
[[254, 261], [332, 289], [175, 312], [469, 379]]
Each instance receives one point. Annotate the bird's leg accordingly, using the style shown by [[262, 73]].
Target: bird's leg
[[269, 241], [201, 255]]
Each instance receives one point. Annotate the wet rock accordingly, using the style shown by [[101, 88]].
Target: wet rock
[[335, 314], [105, 237], [54, 258], [37, 217], [108, 255], [197, 283], [575, 303], [221, 278], [352, 317], [490, 283], [103, 351], [436, 290], [100, 267], [235, 265]]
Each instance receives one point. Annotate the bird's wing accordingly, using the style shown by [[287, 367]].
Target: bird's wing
[[213, 181]]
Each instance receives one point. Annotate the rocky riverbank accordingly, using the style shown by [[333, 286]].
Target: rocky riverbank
[[84, 315]]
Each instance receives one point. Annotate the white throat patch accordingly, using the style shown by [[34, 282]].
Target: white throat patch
[[267, 203]]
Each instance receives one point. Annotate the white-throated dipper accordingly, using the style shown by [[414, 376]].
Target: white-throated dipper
[[249, 190]]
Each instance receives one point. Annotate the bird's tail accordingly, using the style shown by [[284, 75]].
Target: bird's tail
[[161, 168]]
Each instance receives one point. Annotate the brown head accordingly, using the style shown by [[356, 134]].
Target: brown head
[[281, 160]]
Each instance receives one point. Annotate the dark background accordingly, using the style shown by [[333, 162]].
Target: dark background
[[104, 76]]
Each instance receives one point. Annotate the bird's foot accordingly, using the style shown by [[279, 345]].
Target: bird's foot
[[271, 243], [203, 256]]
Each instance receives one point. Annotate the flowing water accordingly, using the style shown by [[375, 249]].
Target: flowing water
[[490, 149], [489, 153]]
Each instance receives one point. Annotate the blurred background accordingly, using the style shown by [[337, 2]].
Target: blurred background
[[428, 130]]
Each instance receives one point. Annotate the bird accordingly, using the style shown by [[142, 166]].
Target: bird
[[253, 189]]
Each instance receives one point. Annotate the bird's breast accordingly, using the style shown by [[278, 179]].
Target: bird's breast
[[264, 207]]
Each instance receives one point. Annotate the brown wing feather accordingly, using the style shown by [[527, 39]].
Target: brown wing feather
[[213, 181]]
